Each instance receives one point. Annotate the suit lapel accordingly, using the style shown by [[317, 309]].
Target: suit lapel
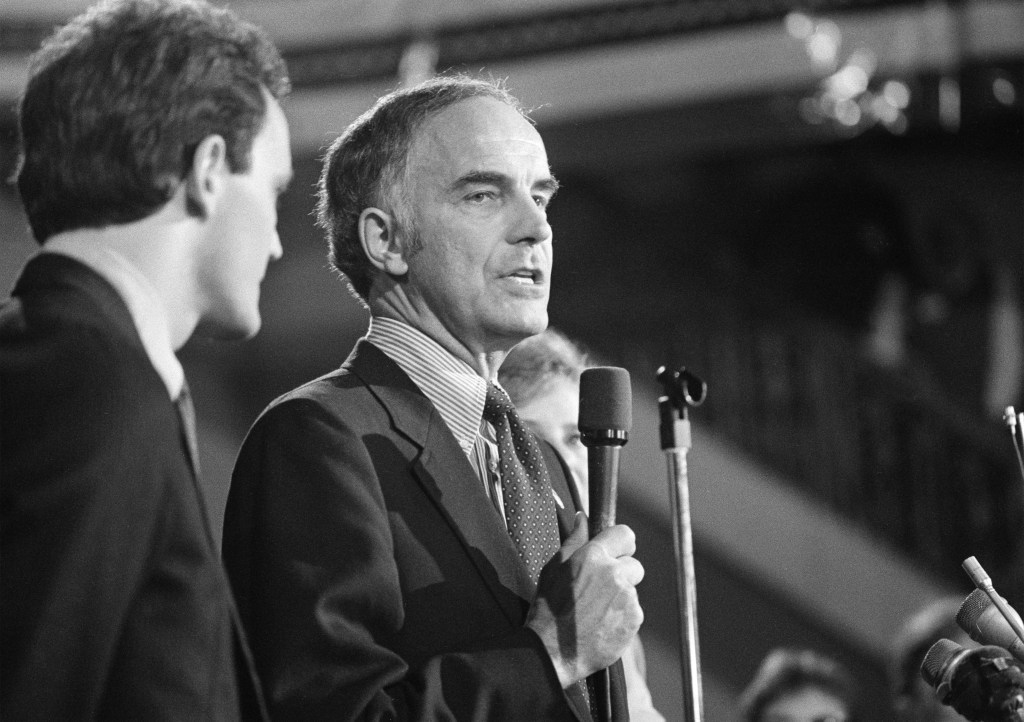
[[443, 470]]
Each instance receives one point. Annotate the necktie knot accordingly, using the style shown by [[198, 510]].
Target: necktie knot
[[497, 404]]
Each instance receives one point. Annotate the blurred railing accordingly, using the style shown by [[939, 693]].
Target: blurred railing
[[880, 446]]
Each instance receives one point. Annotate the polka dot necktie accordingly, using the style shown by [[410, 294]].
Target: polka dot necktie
[[525, 485]]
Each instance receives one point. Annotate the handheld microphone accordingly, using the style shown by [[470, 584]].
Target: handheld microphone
[[606, 415], [984, 623], [984, 684]]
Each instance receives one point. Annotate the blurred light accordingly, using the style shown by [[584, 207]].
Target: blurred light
[[897, 94], [845, 97], [798, 25], [849, 82], [1004, 91], [848, 113], [823, 45], [883, 110]]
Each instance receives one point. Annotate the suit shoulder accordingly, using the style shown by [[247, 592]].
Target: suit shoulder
[[337, 387], [337, 399]]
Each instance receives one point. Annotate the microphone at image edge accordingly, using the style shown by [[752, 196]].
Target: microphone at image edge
[[984, 684], [985, 624]]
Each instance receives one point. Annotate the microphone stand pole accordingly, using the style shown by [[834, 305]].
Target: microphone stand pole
[[681, 390], [1015, 422]]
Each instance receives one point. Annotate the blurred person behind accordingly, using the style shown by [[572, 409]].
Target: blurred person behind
[[799, 685], [542, 377], [153, 149]]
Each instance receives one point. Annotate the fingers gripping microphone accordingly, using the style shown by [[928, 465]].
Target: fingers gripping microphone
[[606, 415], [984, 684], [985, 624]]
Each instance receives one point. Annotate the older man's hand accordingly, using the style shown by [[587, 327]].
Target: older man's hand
[[586, 611]]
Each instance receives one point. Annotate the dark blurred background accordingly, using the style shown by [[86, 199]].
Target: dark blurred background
[[817, 207]]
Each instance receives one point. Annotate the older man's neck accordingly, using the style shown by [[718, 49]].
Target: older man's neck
[[483, 359]]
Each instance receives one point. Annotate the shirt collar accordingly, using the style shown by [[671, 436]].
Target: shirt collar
[[456, 390], [140, 296]]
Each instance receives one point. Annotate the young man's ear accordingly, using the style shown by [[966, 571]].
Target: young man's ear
[[380, 244], [205, 178]]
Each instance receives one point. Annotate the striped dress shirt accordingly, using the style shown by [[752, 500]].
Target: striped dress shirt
[[454, 388]]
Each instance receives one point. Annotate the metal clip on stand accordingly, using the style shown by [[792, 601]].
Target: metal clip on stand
[[681, 390]]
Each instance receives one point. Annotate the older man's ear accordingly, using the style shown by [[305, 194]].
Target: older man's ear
[[380, 242]]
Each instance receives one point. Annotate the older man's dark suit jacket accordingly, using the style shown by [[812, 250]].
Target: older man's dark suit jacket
[[114, 602], [374, 576]]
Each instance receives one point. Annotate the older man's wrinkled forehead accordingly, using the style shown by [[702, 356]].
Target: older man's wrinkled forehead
[[477, 135]]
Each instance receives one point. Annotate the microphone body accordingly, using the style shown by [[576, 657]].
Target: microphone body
[[984, 684], [985, 624], [606, 415], [603, 473]]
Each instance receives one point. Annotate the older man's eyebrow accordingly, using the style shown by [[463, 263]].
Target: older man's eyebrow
[[548, 185], [483, 177]]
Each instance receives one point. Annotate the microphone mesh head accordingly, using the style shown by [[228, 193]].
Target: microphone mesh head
[[937, 659], [972, 609], [606, 400]]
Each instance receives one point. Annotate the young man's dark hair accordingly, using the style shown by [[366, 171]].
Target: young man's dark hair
[[118, 99]]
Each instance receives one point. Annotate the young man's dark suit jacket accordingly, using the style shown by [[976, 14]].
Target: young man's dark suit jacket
[[114, 602], [375, 578]]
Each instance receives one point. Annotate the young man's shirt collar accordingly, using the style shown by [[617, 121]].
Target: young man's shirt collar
[[139, 295]]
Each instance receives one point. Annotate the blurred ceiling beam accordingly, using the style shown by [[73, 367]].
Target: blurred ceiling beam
[[572, 59], [723, 64]]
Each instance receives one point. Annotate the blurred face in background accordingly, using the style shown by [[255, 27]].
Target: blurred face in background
[[553, 415], [805, 705]]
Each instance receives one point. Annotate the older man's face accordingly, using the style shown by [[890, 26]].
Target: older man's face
[[479, 186]]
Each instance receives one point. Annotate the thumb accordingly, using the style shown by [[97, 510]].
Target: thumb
[[578, 537]]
